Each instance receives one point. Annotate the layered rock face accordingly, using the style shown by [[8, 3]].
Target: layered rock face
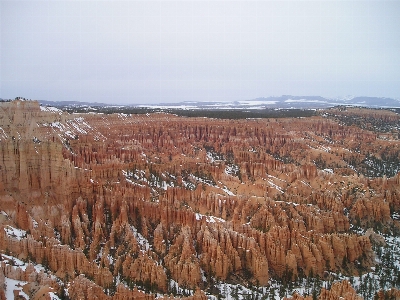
[[151, 199]]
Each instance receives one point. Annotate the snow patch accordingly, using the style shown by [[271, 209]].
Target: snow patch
[[3, 133], [53, 296], [142, 241], [275, 186], [15, 232], [305, 183], [232, 170], [51, 109], [209, 219], [11, 285], [226, 190]]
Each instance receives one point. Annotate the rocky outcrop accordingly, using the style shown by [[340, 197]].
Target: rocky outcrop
[[37, 284], [390, 294], [182, 261], [62, 260], [339, 290], [145, 269], [82, 288], [363, 209]]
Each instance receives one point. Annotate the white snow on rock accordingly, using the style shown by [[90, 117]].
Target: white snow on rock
[[226, 190], [275, 186], [209, 219], [142, 241], [51, 109], [15, 232], [58, 125], [210, 157], [53, 296], [11, 285], [3, 134], [232, 170], [305, 183], [270, 176], [20, 264]]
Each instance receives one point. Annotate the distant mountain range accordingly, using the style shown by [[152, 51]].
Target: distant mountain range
[[284, 102]]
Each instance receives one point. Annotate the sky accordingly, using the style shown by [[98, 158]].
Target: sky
[[142, 52]]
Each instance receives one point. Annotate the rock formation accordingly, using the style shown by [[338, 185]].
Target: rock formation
[[339, 290], [153, 198]]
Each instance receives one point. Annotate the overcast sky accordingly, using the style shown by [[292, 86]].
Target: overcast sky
[[135, 52]]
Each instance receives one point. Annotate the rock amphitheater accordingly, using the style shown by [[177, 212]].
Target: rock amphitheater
[[117, 206]]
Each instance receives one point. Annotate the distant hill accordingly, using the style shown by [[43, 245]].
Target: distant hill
[[71, 103], [284, 102], [273, 102]]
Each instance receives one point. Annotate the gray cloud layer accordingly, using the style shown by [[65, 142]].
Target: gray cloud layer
[[167, 51]]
